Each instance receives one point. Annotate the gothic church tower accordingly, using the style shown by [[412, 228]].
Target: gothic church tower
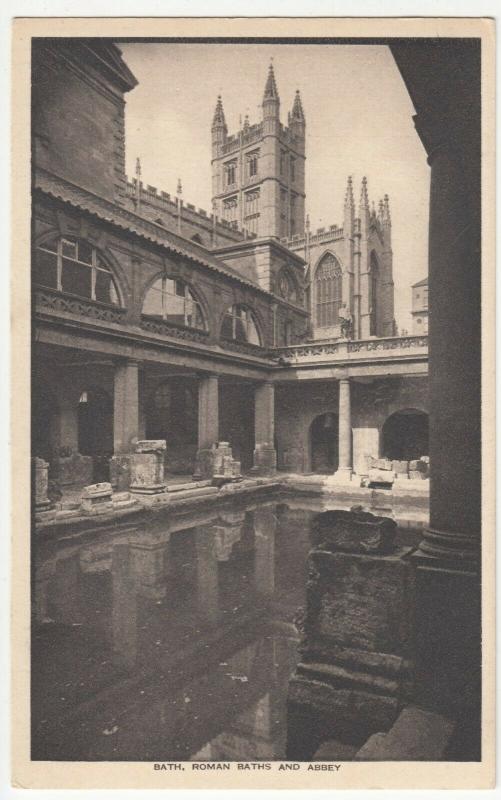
[[258, 173]]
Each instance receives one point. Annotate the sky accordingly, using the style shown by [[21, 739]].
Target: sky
[[358, 122]]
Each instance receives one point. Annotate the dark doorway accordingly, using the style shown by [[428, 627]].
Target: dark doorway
[[324, 443], [44, 417], [95, 430], [405, 435]]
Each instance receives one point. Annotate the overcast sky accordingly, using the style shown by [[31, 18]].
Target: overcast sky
[[358, 122]]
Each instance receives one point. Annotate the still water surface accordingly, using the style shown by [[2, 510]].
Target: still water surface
[[173, 642]]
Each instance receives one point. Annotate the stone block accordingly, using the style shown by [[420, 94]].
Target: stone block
[[97, 498], [400, 467], [413, 465], [381, 476], [147, 472], [151, 446], [354, 532], [426, 459], [120, 472], [41, 470], [416, 475], [382, 463], [417, 735]]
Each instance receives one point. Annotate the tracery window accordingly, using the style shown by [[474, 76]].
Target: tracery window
[[328, 291], [73, 265], [252, 163], [239, 323], [230, 209], [373, 304], [172, 299], [231, 172]]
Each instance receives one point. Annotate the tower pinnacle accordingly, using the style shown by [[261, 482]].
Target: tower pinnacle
[[348, 197], [270, 90], [219, 121], [297, 108], [386, 211], [364, 198]]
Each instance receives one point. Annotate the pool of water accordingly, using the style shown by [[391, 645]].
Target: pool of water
[[176, 641]]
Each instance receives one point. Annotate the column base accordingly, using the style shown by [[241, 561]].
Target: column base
[[343, 475], [265, 461]]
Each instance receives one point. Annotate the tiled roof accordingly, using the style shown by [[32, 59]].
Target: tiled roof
[[60, 189]]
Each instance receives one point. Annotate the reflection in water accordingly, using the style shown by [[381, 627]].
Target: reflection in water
[[172, 643]]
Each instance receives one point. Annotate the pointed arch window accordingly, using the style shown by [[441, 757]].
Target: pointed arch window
[[172, 299], [73, 265], [373, 299], [328, 291], [239, 323]]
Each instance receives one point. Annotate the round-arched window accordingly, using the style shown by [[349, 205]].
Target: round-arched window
[[73, 265], [172, 299], [239, 323]]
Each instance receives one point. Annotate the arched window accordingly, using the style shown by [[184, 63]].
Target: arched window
[[328, 291], [239, 324], [373, 282], [172, 299], [75, 266]]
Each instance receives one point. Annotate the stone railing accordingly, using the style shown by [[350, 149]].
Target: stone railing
[[54, 302], [345, 349], [321, 236], [169, 329], [248, 349]]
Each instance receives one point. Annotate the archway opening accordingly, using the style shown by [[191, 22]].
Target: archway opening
[[324, 443], [405, 435], [95, 429], [172, 414]]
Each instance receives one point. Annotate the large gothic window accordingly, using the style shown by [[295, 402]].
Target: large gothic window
[[239, 323], [75, 266], [373, 282], [328, 291], [172, 300]]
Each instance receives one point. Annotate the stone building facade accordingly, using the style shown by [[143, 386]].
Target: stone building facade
[[420, 307], [142, 331]]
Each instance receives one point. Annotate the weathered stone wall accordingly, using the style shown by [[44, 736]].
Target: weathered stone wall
[[371, 404]]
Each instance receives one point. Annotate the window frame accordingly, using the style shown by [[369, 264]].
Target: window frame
[[250, 319], [328, 293], [96, 265], [189, 296]]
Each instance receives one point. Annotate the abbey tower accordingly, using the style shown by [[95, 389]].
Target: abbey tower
[[258, 186], [258, 173]]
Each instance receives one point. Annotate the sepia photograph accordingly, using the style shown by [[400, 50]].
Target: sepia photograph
[[256, 353]]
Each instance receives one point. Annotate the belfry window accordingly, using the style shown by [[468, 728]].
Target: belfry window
[[239, 324], [75, 266], [231, 172], [252, 164], [172, 300], [328, 291]]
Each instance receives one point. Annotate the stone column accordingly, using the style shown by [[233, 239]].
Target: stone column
[[447, 613], [208, 423], [265, 455], [126, 406], [344, 470]]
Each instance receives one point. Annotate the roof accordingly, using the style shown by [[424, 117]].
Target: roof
[[423, 282], [60, 189]]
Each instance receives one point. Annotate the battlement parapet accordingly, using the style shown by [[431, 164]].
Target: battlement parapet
[[154, 201]]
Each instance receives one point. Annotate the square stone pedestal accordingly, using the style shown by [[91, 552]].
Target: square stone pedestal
[[265, 460], [218, 464], [147, 467], [355, 670]]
